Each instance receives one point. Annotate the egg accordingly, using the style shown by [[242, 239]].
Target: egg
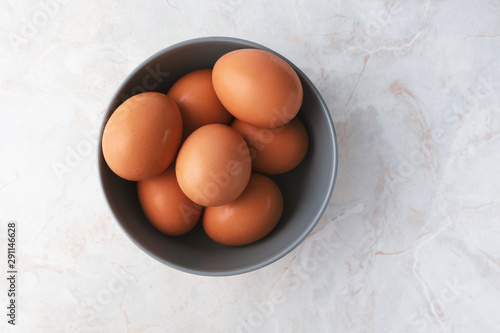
[[257, 87], [195, 96], [142, 136], [250, 217], [165, 205], [275, 150], [213, 165]]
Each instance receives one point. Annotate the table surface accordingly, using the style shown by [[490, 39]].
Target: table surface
[[409, 242]]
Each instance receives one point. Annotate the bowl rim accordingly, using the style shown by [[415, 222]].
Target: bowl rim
[[314, 220]]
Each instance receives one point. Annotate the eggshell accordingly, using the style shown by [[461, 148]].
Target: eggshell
[[166, 206], [142, 136], [250, 217], [195, 96], [213, 165], [257, 87], [275, 150]]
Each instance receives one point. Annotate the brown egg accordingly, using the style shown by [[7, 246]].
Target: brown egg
[[213, 165], [250, 217], [195, 96], [275, 150], [257, 87], [142, 136], [166, 206]]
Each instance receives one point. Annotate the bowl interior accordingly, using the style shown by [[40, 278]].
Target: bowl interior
[[306, 189]]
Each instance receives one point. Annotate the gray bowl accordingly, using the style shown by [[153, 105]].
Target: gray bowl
[[306, 189]]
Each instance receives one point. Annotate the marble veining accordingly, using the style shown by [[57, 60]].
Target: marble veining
[[409, 242]]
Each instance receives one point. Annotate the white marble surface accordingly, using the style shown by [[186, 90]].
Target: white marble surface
[[410, 241]]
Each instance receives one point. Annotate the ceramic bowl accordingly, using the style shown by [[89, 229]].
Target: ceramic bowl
[[306, 189]]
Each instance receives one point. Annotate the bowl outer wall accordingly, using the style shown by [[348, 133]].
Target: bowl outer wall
[[306, 190]]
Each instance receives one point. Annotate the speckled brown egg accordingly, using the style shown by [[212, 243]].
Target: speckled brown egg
[[142, 136]]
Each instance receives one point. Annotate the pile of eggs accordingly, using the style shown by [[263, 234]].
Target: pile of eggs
[[204, 149]]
